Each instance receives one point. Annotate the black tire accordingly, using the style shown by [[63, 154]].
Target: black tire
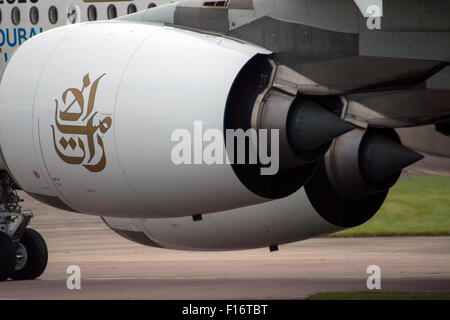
[[7, 257], [37, 256]]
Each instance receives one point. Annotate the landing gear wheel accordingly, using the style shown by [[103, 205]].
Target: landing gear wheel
[[7, 257], [36, 256]]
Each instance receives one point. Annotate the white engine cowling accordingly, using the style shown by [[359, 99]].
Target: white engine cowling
[[268, 224], [87, 112]]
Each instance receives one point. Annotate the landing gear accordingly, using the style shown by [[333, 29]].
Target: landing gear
[[23, 252], [25, 259], [7, 257], [32, 256]]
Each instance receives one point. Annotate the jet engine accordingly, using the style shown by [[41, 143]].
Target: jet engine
[[354, 178], [92, 116]]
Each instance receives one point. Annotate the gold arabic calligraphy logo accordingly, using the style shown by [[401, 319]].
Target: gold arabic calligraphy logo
[[77, 127]]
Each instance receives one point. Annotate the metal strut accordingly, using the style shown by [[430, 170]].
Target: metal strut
[[13, 220]]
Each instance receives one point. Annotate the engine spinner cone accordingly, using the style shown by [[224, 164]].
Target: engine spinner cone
[[381, 157], [311, 126]]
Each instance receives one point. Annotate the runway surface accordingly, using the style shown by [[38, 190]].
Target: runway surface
[[114, 268]]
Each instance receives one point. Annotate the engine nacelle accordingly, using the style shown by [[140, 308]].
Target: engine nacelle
[[89, 114], [277, 222]]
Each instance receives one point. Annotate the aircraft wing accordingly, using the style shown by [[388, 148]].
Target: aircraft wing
[[388, 61]]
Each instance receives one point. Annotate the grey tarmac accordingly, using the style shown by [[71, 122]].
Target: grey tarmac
[[114, 268]]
